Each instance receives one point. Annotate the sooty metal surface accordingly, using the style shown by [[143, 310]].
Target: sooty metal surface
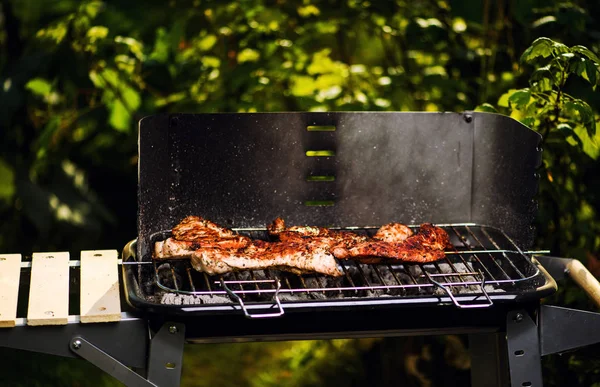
[[484, 267], [336, 169]]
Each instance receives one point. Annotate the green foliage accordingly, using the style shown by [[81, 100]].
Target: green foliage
[[545, 105], [570, 139], [569, 207], [76, 76]]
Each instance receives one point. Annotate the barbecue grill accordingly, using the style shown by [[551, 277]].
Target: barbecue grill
[[474, 174]]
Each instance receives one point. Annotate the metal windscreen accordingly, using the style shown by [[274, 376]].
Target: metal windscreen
[[336, 169]]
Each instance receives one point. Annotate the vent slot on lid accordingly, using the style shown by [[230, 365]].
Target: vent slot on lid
[[320, 153], [321, 128], [320, 178]]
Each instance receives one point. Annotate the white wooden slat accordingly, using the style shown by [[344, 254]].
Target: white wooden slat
[[100, 301], [10, 273], [49, 289]]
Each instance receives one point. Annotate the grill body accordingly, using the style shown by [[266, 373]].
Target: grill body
[[474, 172]]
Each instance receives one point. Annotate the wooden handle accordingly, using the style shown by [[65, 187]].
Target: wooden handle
[[585, 279]]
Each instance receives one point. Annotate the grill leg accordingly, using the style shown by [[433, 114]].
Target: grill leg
[[166, 355], [489, 365], [523, 343]]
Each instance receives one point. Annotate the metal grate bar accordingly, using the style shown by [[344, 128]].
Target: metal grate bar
[[347, 274], [496, 245], [413, 279], [490, 255], [255, 283], [376, 270], [207, 282], [474, 255], [189, 273], [174, 278], [364, 277]]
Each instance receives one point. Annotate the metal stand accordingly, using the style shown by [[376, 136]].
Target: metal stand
[[519, 352], [523, 344], [125, 344], [164, 362]]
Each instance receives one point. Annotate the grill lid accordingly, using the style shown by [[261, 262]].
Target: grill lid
[[337, 169]]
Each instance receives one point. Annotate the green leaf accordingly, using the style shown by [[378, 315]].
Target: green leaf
[[39, 87], [542, 85], [248, 55], [503, 100], [541, 47], [590, 72], [586, 52], [303, 86], [564, 128], [119, 117], [160, 52], [309, 10], [559, 49], [520, 98], [577, 66], [97, 32], [135, 46], [589, 143], [207, 42], [486, 107], [120, 98], [7, 181], [92, 8], [586, 115], [528, 121], [211, 61], [543, 79], [45, 139]]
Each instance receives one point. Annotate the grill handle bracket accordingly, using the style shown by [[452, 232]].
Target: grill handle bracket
[[107, 363], [487, 302], [238, 299]]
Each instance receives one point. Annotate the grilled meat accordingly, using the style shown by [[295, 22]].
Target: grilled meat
[[393, 233], [194, 233], [173, 248], [427, 245], [194, 227], [300, 249], [308, 257]]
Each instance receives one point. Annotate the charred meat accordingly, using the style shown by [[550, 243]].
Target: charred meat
[[300, 249], [305, 258], [427, 245]]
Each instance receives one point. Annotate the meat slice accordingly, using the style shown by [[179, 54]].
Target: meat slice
[[427, 245], [194, 227], [194, 233], [343, 241], [309, 257], [393, 233], [278, 227], [173, 248]]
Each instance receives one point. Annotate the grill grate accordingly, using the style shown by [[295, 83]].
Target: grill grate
[[483, 262]]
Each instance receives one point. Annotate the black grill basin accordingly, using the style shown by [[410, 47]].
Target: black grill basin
[[471, 173]]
